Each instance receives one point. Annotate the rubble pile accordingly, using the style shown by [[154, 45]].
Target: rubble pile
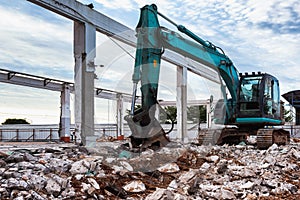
[[173, 172]]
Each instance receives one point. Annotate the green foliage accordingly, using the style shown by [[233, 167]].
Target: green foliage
[[196, 114], [168, 115], [15, 121], [288, 115]]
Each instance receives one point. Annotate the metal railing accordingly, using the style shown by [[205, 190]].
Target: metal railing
[[27, 133], [293, 129]]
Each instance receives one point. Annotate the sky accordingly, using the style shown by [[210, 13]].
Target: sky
[[257, 36]]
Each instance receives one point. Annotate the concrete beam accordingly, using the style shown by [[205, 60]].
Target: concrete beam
[[17, 78], [79, 12], [189, 103], [34, 81]]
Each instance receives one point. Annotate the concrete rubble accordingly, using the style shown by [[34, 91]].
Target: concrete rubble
[[106, 171]]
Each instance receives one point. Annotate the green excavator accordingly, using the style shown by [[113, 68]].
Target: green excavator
[[254, 106]]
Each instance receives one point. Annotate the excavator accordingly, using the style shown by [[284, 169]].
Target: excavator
[[252, 108]]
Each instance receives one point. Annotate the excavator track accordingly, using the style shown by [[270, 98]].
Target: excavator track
[[267, 137], [205, 137], [264, 138], [221, 136], [210, 136]]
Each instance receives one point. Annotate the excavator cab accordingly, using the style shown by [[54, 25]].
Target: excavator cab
[[259, 100], [258, 110]]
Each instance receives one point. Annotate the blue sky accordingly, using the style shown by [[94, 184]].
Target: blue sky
[[257, 36]]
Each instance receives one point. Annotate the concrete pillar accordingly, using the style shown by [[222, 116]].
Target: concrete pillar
[[120, 114], [65, 114], [181, 103], [84, 53], [208, 114], [157, 112]]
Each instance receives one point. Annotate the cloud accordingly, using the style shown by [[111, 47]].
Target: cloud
[[30, 42], [256, 35], [127, 5], [38, 106]]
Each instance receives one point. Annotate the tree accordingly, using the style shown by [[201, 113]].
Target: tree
[[196, 114], [288, 115], [168, 115], [15, 121]]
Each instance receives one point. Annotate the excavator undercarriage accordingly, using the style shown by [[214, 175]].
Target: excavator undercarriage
[[265, 136]]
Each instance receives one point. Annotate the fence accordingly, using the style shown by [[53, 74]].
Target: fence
[[25, 133], [51, 132], [293, 129]]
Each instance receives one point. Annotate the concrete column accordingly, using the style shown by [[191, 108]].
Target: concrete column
[[157, 111], [120, 113], [65, 114], [181, 103], [84, 53], [208, 114]]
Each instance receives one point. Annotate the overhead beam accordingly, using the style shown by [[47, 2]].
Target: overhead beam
[[189, 103], [77, 11], [34, 81]]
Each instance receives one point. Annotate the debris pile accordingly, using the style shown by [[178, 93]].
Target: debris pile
[[173, 172]]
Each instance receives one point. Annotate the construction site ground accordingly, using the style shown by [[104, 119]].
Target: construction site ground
[[105, 170]]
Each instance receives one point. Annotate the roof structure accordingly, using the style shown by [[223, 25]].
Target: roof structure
[[293, 97]]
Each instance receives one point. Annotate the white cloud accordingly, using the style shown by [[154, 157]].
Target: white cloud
[[36, 105], [34, 42], [248, 31], [115, 4], [237, 27]]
